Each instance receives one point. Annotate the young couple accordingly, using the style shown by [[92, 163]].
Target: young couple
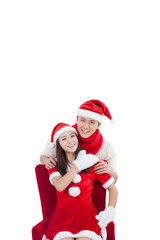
[[75, 158]]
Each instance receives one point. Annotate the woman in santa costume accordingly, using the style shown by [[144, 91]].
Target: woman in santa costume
[[75, 217], [89, 119]]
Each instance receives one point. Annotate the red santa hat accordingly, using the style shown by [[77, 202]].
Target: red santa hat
[[94, 109], [58, 130]]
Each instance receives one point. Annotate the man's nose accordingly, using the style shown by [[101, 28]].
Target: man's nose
[[86, 125]]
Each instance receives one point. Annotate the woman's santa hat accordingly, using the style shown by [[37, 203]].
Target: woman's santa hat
[[94, 109], [58, 130]]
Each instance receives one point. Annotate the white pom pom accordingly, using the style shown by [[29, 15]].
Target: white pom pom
[[113, 120], [76, 179], [74, 191], [52, 145]]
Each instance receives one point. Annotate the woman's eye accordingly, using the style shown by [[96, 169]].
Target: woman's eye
[[73, 135]]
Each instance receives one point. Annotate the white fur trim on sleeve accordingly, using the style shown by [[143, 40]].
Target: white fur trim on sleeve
[[108, 183], [55, 174]]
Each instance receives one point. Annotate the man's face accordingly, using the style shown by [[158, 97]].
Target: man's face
[[87, 126]]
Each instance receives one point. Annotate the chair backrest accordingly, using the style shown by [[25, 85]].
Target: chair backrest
[[47, 192], [48, 195]]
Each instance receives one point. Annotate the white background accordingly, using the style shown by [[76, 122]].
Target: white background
[[54, 55]]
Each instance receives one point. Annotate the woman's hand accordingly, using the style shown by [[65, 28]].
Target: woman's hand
[[102, 167], [84, 160], [106, 216], [50, 163]]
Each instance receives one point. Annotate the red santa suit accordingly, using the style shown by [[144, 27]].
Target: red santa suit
[[74, 216]]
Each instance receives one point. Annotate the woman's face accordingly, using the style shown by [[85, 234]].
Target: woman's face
[[68, 141], [87, 126]]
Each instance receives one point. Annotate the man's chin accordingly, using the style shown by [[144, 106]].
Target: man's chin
[[85, 135]]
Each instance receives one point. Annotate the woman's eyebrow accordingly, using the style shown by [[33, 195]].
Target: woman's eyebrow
[[62, 136]]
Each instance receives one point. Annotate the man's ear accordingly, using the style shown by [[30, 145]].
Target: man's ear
[[99, 124], [77, 119]]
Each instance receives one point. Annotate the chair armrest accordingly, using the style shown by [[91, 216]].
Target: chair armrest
[[39, 229], [111, 231]]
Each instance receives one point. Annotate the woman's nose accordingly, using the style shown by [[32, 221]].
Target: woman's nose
[[69, 140]]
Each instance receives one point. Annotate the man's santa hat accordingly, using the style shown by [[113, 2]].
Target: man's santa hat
[[58, 130], [94, 109]]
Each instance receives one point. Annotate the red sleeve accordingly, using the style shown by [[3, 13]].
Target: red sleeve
[[105, 179], [52, 172]]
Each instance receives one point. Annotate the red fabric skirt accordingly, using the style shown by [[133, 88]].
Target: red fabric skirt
[[73, 221]]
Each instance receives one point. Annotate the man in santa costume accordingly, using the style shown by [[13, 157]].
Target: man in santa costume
[[89, 119]]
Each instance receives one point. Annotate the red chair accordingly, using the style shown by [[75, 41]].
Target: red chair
[[49, 199]]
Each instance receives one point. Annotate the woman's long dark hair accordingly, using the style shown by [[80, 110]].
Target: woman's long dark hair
[[62, 160]]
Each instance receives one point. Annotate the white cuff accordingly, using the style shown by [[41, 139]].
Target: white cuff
[[55, 174], [108, 183]]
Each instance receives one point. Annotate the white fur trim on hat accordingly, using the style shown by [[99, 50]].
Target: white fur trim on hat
[[74, 191], [62, 130], [90, 114]]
